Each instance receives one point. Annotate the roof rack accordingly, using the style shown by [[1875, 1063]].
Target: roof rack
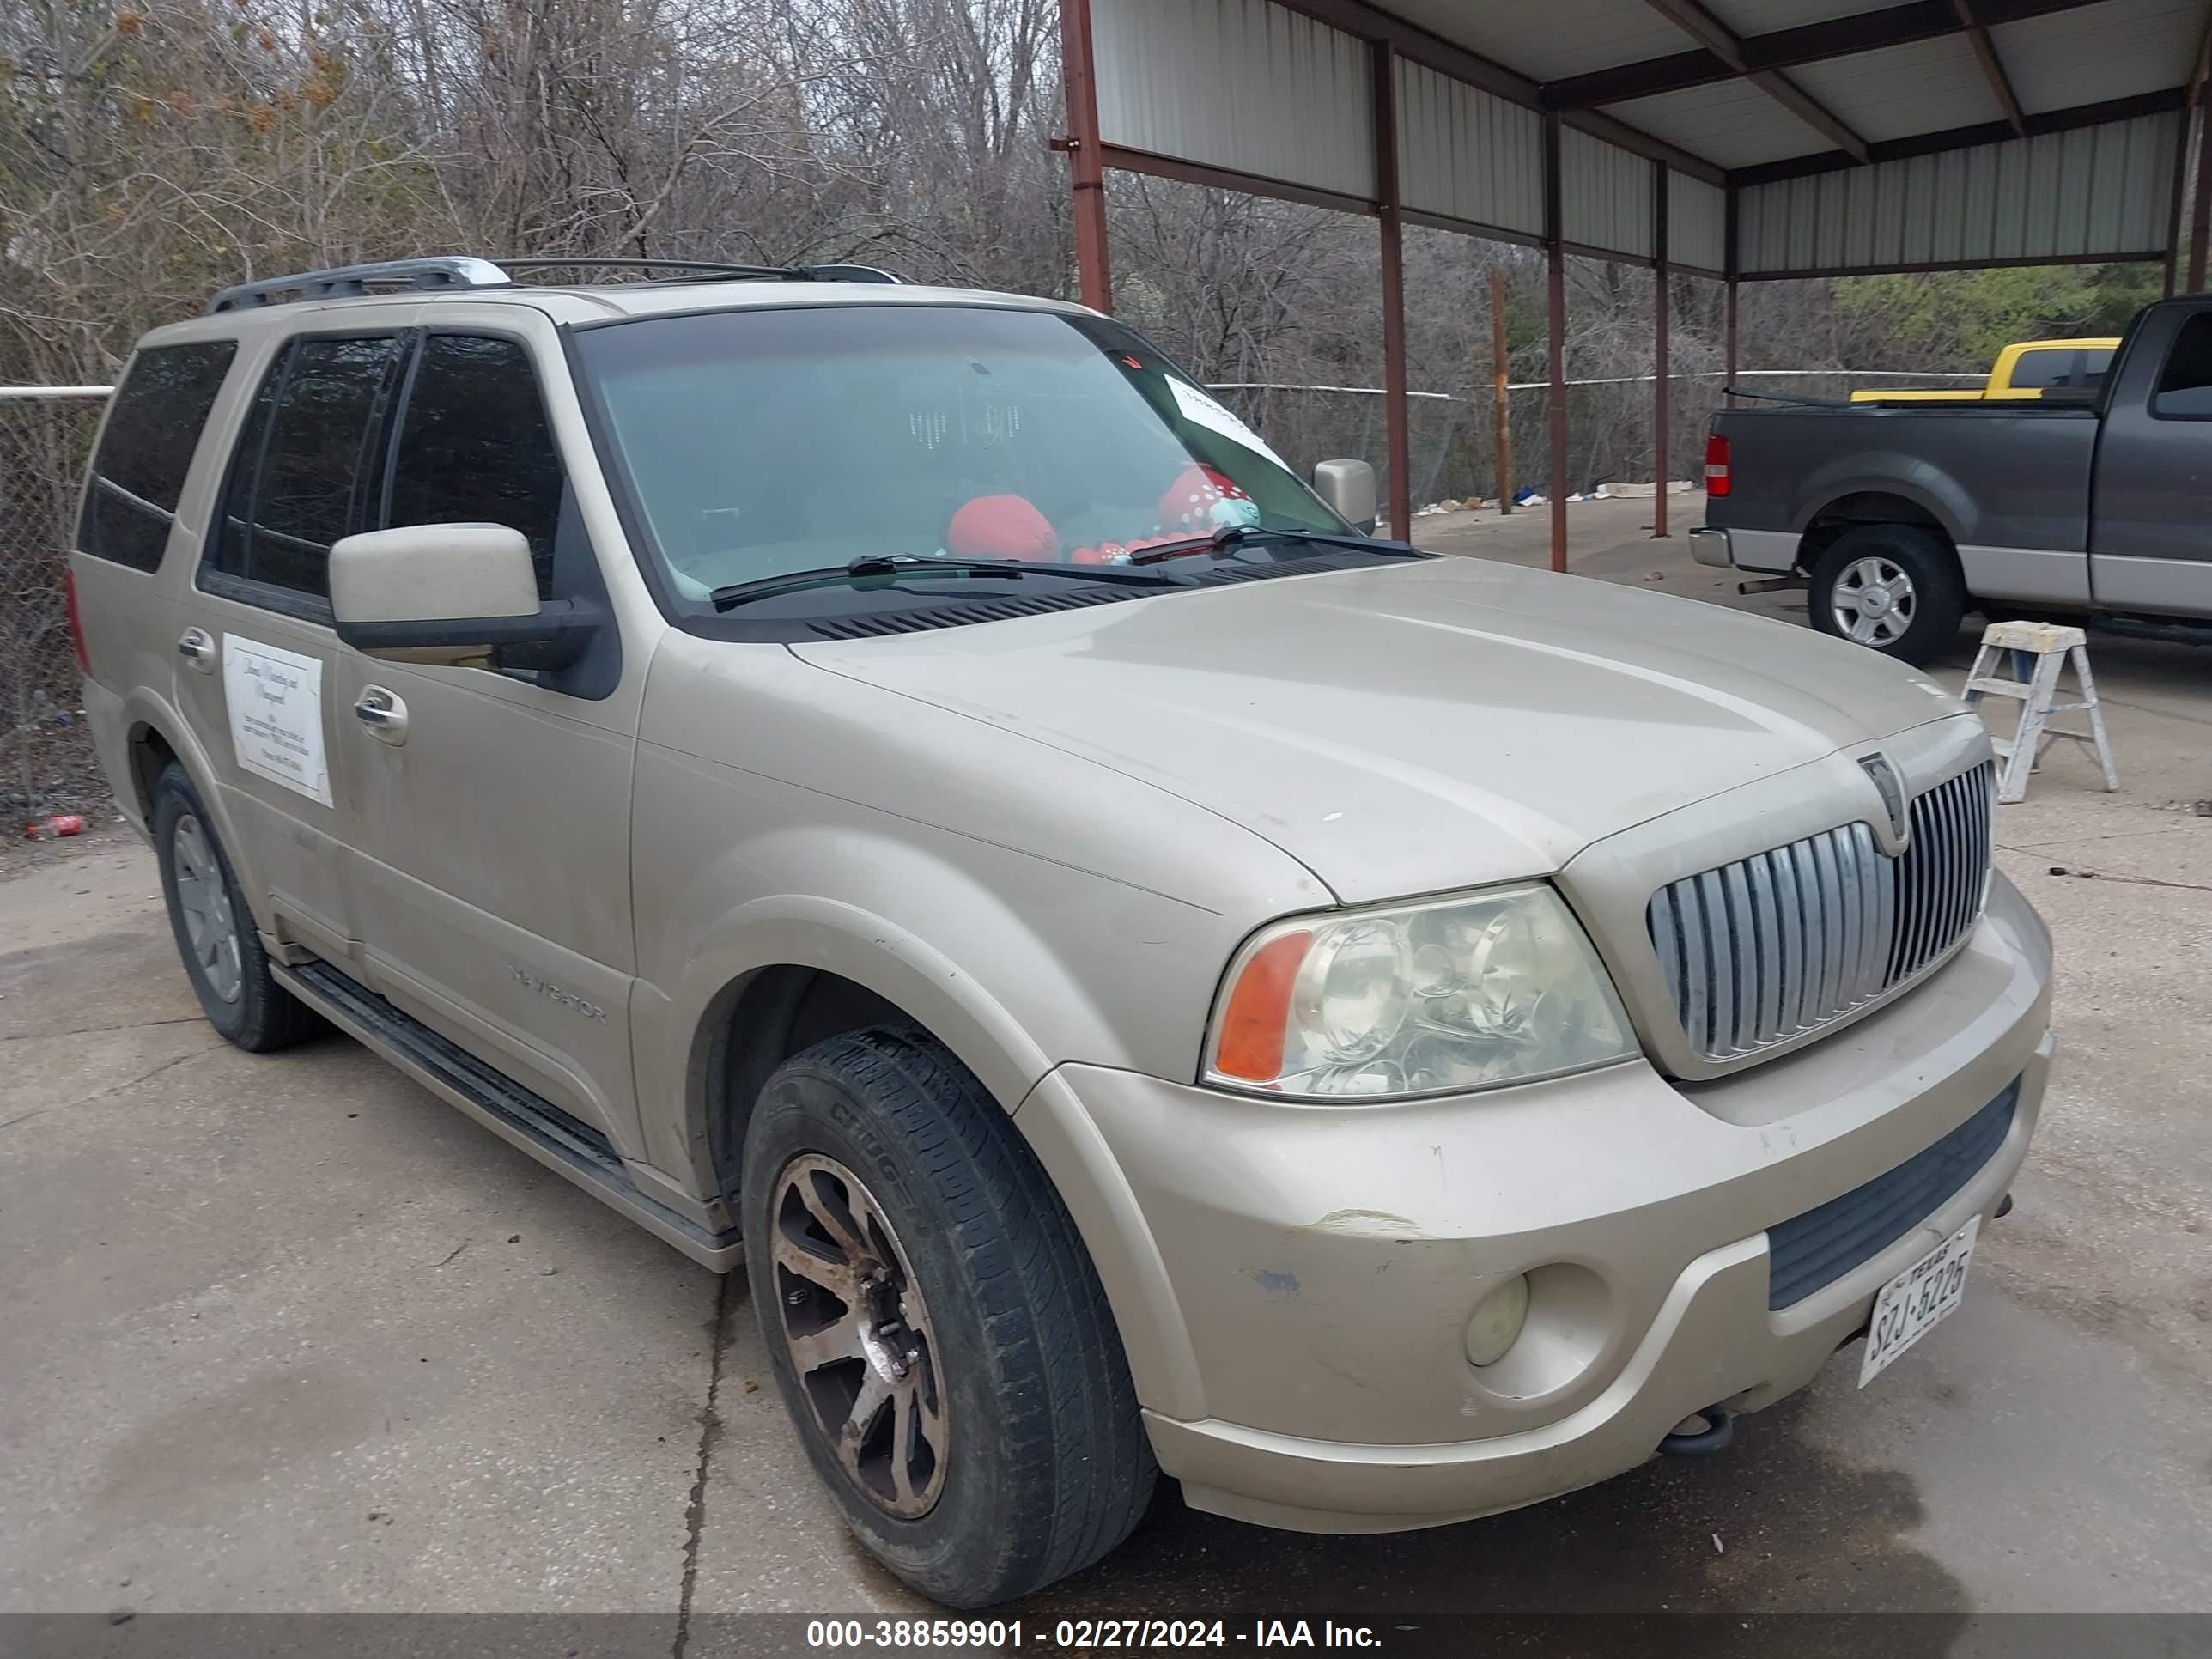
[[714, 270], [347, 281], [462, 272]]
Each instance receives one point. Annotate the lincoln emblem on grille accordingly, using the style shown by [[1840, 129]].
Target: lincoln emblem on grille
[[1878, 768]]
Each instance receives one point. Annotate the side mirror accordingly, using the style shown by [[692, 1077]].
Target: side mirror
[[1349, 488], [451, 595]]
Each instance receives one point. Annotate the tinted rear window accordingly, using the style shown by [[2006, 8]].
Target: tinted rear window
[[147, 448], [2045, 369], [307, 469]]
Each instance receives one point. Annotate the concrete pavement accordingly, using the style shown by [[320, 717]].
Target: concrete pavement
[[287, 1334]]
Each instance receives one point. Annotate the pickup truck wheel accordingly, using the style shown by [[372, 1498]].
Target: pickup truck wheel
[[215, 934], [935, 1323], [1893, 586]]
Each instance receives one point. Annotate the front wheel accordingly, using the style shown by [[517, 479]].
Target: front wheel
[[1895, 587], [935, 1323]]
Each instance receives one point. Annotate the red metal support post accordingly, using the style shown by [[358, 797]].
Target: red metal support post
[[1661, 387], [1555, 336], [1393, 293], [1085, 156]]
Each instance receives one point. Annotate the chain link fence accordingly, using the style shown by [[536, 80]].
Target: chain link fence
[[1452, 435], [47, 765]]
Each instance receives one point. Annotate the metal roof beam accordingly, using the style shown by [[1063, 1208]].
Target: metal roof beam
[[1993, 68], [1716, 37], [1783, 49], [1986, 132], [1410, 40]]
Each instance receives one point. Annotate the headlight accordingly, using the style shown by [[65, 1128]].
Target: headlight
[[1425, 998]]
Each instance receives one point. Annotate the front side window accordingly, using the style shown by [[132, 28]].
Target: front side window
[[475, 447], [759, 443], [307, 472], [146, 448]]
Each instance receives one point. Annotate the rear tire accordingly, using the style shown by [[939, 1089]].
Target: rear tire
[[1895, 588], [935, 1323], [214, 928]]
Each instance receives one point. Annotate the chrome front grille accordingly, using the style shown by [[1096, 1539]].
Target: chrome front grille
[[1756, 951]]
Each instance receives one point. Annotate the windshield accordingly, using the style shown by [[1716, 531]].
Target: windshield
[[764, 442]]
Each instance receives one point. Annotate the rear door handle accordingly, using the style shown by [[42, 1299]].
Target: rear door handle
[[197, 647], [383, 714]]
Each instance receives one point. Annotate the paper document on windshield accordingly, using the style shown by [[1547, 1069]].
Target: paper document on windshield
[[1209, 412]]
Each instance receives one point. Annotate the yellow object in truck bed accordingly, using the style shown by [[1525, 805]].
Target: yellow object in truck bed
[[2026, 369]]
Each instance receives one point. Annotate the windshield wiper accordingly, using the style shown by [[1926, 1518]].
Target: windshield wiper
[[1231, 536], [909, 564]]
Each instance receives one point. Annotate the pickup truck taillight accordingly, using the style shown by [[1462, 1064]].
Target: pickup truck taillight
[[76, 623], [1717, 465]]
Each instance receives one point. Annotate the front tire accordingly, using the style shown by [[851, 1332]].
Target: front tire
[[1896, 588], [935, 1326], [214, 928]]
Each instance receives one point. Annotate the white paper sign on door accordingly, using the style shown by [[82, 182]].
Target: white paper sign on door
[[1204, 409], [276, 702]]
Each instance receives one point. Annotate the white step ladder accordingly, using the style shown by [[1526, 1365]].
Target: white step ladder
[[2004, 645]]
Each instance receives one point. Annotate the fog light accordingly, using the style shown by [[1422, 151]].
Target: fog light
[[1497, 1323]]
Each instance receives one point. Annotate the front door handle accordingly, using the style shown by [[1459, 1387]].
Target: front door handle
[[383, 714], [197, 647]]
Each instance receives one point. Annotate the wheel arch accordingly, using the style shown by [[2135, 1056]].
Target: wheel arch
[[154, 736], [786, 974], [1859, 507], [767, 1015]]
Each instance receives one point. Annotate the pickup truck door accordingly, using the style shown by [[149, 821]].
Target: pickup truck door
[[2150, 524]]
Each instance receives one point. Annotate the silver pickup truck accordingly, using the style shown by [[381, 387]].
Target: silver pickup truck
[[1902, 518]]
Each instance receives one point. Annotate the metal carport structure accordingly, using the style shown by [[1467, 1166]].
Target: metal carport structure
[[1733, 139]]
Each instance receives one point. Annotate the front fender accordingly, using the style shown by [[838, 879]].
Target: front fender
[[1014, 962]]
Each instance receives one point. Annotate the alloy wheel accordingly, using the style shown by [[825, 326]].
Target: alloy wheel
[[1873, 601], [858, 1334], [211, 923]]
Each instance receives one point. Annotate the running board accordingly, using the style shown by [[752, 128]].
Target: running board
[[563, 1143]]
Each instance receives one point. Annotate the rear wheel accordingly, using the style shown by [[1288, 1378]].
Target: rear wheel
[[1895, 587], [935, 1323], [215, 934]]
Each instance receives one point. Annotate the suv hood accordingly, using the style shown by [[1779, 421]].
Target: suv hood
[[1412, 728]]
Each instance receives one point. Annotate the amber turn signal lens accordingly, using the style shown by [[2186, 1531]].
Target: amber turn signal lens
[[1259, 1011]]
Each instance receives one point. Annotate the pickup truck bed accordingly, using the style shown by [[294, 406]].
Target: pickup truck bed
[[1903, 517]]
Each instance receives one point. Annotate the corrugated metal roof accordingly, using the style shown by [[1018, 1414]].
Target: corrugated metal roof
[[1605, 195], [2099, 190], [1555, 39], [1245, 84], [1468, 154], [1696, 223], [1765, 17], [2115, 50], [1888, 94], [1731, 123], [1256, 88]]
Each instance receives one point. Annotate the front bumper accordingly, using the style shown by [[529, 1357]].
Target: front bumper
[[1293, 1282]]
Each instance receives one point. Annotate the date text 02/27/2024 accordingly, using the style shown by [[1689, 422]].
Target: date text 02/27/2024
[[999, 1635]]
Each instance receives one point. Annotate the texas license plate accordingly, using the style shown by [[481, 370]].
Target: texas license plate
[[1918, 1300]]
